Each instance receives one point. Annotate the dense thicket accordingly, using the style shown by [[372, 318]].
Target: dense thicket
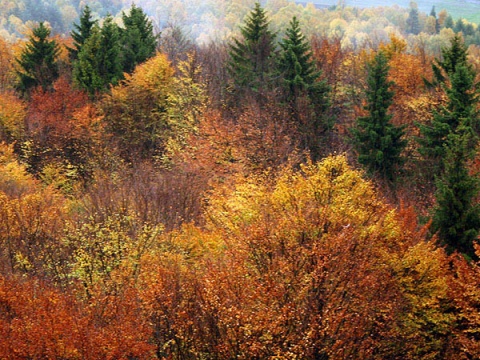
[[162, 197]]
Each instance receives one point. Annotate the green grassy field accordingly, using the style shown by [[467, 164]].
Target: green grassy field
[[469, 10]]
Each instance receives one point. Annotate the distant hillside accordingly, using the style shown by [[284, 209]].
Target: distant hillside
[[467, 9]]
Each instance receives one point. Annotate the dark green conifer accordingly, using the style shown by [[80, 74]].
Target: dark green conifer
[[462, 98], [138, 40], [99, 62], [459, 26], [378, 142], [448, 24], [457, 216], [296, 65], [433, 13], [455, 55], [111, 47], [450, 141], [461, 105], [38, 61], [303, 91], [252, 57], [81, 32], [413, 22]]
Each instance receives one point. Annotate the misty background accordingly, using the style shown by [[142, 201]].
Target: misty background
[[202, 21]]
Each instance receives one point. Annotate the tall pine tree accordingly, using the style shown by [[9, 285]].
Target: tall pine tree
[[452, 56], [378, 142], [252, 57], [433, 14], [38, 61], [296, 65], [413, 22], [138, 40], [99, 62], [449, 142], [304, 92], [457, 78], [81, 32], [457, 216]]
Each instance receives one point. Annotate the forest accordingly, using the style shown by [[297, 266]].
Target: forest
[[236, 179]]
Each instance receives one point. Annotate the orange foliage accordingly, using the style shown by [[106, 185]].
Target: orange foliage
[[50, 118], [259, 139], [311, 269], [40, 321], [465, 296], [411, 103], [329, 55], [236, 250], [62, 125]]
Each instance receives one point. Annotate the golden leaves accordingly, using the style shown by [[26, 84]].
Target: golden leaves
[[12, 116]]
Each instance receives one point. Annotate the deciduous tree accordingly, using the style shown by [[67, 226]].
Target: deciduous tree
[[12, 117], [56, 131], [136, 111]]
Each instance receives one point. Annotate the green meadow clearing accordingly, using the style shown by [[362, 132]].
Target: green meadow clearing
[[469, 10]]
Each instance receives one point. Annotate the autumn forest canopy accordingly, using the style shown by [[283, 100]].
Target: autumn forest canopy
[[218, 180]]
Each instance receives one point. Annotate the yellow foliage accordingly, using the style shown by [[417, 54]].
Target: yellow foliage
[[155, 75], [422, 274], [146, 95], [14, 179], [328, 213], [31, 216], [12, 115], [396, 45], [108, 252], [325, 196], [187, 104], [7, 76]]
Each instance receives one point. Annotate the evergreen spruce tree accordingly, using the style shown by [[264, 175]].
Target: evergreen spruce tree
[[448, 24], [296, 65], [459, 26], [305, 93], [455, 55], [462, 98], [111, 67], [81, 32], [138, 40], [252, 57], [451, 142], [413, 22], [457, 217], [99, 62], [86, 70], [38, 62], [378, 142], [433, 13]]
